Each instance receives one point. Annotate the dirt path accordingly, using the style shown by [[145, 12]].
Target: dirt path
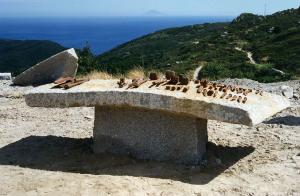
[[249, 55], [196, 73], [47, 152]]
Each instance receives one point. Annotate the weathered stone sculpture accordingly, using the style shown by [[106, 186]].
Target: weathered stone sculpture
[[159, 123], [63, 64]]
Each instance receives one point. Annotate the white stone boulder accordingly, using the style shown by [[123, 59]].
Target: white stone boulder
[[5, 76], [287, 91], [63, 64]]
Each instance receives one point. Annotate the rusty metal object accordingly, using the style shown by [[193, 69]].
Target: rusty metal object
[[234, 98], [170, 74], [75, 83], [246, 92], [160, 83], [174, 80], [215, 93], [121, 83], [185, 89], [63, 80], [232, 88], [153, 76], [68, 82], [210, 93], [204, 83], [183, 80], [239, 90], [239, 99], [136, 83], [229, 96], [157, 83]]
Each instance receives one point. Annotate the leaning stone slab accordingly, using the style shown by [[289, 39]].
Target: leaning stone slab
[[155, 123], [5, 76], [63, 64]]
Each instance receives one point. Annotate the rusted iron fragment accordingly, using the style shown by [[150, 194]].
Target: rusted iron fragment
[[153, 76], [136, 83], [183, 80], [185, 89], [121, 83], [68, 82]]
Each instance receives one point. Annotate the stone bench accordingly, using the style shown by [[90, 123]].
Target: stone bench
[[154, 123]]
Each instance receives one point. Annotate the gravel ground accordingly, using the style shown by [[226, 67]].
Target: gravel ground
[[48, 152]]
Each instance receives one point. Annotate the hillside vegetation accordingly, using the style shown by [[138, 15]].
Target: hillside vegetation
[[220, 48], [274, 41], [17, 55]]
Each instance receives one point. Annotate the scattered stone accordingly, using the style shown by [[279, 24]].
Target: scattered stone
[[5, 76], [63, 64], [287, 91]]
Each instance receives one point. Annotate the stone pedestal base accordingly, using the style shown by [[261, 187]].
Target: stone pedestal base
[[150, 134]]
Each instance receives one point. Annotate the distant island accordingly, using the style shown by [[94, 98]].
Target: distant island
[[154, 13], [263, 48]]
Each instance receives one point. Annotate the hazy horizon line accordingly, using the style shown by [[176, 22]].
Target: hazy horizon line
[[120, 16]]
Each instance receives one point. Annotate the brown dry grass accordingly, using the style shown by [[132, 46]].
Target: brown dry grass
[[132, 74], [138, 72], [98, 75]]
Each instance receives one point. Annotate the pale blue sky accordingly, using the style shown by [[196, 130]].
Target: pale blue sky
[[85, 8]]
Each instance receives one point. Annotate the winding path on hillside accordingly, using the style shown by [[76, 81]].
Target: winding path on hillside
[[249, 55], [252, 61], [197, 71]]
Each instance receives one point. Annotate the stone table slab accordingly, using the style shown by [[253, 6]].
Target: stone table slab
[[106, 93]]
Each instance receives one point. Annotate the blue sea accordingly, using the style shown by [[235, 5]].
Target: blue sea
[[102, 34]]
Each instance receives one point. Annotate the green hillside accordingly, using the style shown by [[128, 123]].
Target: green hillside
[[17, 56], [274, 41]]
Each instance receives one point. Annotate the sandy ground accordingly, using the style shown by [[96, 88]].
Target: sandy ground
[[48, 152]]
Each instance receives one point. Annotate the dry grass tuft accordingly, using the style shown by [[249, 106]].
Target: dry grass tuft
[[138, 72], [99, 75]]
